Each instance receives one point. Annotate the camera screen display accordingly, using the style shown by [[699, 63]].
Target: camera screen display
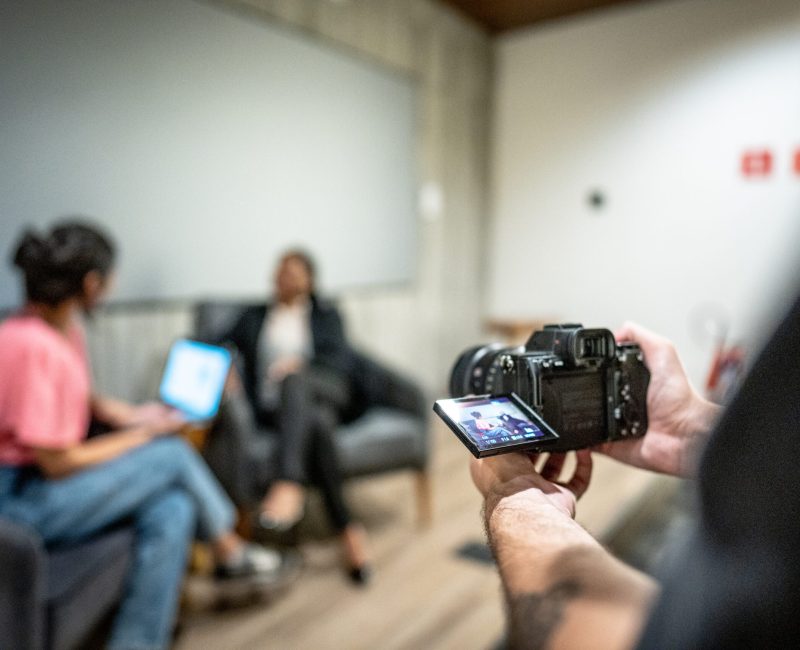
[[490, 424]]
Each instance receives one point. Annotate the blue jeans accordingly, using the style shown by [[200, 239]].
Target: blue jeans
[[168, 494]]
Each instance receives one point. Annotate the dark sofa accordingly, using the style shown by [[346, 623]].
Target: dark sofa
[[55, 598], [388, 431]]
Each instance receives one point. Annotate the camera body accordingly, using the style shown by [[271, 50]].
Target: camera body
[[584, 385]]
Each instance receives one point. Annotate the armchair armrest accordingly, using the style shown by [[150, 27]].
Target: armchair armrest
[[22, 595]]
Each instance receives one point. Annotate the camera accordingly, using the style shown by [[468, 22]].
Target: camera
[[578, 384]]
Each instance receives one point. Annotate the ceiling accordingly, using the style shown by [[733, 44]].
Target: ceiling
[[497, 16]]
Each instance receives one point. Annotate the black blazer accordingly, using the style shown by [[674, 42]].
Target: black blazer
[[330, 348]]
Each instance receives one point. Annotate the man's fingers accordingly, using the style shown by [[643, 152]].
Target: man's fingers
[[625, 333], [602, 448], [551, 470], [477, 473], [650, 342], [619, 449], [583, 473], [497, 470]]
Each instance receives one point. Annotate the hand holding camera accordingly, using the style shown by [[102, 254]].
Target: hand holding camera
[[572, 388], [679, 418], [513, 479], [568, 388]]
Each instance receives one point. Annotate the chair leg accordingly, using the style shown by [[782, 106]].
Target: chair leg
[[424, 492]]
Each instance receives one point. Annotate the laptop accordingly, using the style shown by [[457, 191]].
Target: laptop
[[194, 377]]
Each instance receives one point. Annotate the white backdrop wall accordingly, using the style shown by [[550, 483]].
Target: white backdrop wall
[[653, 107], [206, 140]]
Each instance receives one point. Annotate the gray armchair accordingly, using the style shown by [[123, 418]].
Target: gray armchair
[[55, 598], [388, 431]]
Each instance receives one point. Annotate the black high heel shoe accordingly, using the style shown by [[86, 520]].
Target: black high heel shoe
[[354, 538], [360, 575]]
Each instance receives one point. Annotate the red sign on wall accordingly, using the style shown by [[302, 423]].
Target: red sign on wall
[[797, 162], [757, 163]]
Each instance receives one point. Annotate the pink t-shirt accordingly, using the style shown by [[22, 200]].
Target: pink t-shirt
[[44, 388]]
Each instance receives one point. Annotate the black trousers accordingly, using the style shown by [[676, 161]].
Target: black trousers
[[248, 449]]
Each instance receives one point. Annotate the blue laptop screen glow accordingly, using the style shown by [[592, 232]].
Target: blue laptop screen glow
[[194, 378]]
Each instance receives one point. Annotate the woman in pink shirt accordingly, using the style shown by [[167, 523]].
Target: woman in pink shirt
[[69, 487]]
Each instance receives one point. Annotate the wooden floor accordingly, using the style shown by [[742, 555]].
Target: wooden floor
[[423, 594]]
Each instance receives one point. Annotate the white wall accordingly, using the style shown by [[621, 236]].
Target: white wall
[[654, 106], [207, 141]]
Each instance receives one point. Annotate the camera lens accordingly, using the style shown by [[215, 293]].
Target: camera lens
[[475, 371]]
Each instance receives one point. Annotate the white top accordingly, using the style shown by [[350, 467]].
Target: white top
[[286, 333]]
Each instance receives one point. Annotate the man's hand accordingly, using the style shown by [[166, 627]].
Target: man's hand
[[513, 479], [679, 419], [563, 588]]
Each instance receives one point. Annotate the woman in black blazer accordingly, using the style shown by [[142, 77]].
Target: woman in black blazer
[[296, 375]]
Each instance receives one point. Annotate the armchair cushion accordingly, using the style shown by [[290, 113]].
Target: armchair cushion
[[84, 583], [382, 439], [22, 587], [54, 597]]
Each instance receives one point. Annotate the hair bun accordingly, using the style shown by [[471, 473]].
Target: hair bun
[[31, 251]]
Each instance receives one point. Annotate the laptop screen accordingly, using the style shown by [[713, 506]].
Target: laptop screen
[[194, 378]]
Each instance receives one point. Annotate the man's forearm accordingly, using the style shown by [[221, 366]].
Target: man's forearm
[[563, 589]]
